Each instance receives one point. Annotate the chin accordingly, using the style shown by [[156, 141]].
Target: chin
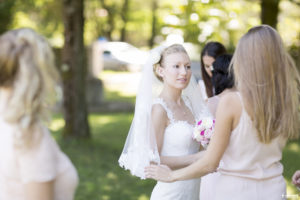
[[182, 86]]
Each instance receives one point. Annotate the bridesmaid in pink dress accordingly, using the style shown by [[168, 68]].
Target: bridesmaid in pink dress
[[252, 125], [32, 167]]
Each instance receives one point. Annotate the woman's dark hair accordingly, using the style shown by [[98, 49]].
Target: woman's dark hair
[[213, 49], [222, 78]]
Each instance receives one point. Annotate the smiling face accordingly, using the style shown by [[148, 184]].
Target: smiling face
[[208, 61], [176, 70]]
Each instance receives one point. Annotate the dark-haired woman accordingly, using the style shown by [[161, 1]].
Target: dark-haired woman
[[208, 55]]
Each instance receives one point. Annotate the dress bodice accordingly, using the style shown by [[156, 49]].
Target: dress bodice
[[178, 141], [178, 138]]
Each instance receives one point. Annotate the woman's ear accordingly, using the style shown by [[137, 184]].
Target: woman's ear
[[160, 71]]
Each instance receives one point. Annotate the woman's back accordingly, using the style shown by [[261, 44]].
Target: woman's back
[[249, 163], [44, 162], [255, 159]]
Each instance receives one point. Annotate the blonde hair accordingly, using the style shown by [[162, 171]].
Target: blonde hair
[[27, 67], [175, 48], [269, 82]]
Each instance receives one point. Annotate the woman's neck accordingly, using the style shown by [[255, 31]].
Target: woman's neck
[[226, 91], [171, 94]]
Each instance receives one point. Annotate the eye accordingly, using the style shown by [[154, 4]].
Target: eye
[[176, 66], [188, 67]]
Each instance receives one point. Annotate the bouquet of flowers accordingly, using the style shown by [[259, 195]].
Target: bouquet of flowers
[[204, 130]]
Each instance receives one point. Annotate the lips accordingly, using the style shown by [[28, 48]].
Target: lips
[[183, 80]]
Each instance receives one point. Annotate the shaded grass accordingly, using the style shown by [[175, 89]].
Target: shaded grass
[[96, 160], [291, 162], [120, 86], [113, 96]]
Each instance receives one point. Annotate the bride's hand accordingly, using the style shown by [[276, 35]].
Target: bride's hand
[[159, 172]]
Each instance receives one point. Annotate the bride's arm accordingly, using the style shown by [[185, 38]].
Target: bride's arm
[[177, 162], [210, 161], [160, 121]]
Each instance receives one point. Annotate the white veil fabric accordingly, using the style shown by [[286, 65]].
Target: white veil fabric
[[140, 148]]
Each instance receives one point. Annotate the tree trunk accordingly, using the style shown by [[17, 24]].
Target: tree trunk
[[124, 16], [154, 23], [74, 71], [269, 12], [6, 14]]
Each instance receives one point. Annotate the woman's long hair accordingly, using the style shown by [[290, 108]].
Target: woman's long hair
[[268, 79], [212, 49], [27, 68]]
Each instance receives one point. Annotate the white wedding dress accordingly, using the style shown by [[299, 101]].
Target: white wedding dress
[[177, 142]]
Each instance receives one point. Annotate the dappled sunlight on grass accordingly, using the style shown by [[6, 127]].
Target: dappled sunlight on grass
[[143, 197], [97, 160], [120, 84], [291, 189], [294, 147], [57, 124], [101, 120]]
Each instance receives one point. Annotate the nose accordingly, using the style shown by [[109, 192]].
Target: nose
[[183, 70]]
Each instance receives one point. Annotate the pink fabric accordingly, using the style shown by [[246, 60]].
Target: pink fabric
[[250, 169], [45, 162]]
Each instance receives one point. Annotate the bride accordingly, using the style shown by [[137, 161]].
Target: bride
[[162, 128]]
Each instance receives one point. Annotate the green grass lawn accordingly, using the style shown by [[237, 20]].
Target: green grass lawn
[[96, 160]]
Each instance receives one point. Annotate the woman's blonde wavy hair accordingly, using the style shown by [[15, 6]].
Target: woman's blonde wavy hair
[[269, 82], [27, 67]]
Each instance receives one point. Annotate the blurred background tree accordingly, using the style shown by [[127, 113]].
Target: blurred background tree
[[144, 24], [198, 21], [6, 14], [74, 71]]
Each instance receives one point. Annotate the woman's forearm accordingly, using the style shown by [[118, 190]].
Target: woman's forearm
[[196, 170], [177, 162]]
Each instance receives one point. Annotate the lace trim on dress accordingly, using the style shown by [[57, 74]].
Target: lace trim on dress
[[164, 105], [169, 112]]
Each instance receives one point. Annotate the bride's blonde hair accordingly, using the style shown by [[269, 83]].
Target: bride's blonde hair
[[175, 48], [269, 82], [27, 67]]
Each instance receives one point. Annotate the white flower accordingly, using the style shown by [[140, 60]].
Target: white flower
[[203, 131], [207, 123], [155, 57], [155, 54], [196, 135]]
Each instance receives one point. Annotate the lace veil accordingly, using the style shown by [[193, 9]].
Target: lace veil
[[140, 147]]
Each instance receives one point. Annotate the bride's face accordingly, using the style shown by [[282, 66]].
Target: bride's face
[[177, 70]]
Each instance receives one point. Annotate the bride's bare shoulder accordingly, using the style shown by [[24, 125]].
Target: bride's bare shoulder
[[158, 111]]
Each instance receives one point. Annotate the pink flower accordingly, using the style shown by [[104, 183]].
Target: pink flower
[[203, 131]]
